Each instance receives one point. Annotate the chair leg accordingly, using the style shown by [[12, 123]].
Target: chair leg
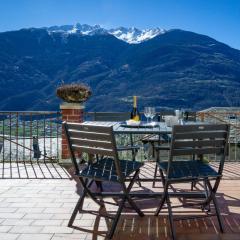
[[213, 198], [126, 192], [76, 209], [115, 221], [162, 200], [166, 199], [219, 217], [139, 182], [89, 193], [79, 204], [155, 176], [156, 168], [131, 202], [162, 177], [134, 206], [170, 215]]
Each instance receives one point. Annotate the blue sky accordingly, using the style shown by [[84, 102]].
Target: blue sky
[[219, 19]]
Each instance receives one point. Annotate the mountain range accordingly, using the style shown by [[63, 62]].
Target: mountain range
[[166, 69], [130, 35]]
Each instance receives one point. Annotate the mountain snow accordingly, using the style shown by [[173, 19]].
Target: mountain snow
[[130, 35]]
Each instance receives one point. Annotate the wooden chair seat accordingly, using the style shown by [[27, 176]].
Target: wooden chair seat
[[105, 170], [194, 169]]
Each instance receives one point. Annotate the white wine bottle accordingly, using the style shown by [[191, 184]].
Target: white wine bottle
[[135, 115]]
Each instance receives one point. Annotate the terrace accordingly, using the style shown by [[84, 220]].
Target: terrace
[[38, 193]]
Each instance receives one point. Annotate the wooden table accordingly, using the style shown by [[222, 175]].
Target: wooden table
[[160, 128]]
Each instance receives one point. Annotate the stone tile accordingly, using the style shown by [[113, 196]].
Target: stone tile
[[5, 204], [35, 216], [7, 209], [39, 199], [35, 237], [56, 229], [84, 222], [11, 215], [16, 200], [30, 210], [68, 200], [50, 205], [64, 216], [14, 222], [26, 229], [23, 204], [8, 236], [47, 222], [32, 194], [73, 236], [57, 210], [4, 229]]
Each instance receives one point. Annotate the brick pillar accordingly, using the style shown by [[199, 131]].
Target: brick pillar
[[71, 112]]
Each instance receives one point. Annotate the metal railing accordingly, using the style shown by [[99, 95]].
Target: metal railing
[[233, 119], [29, 139], [230, 117], [34, 138]]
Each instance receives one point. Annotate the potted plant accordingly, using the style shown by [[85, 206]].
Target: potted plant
[[74, 93]]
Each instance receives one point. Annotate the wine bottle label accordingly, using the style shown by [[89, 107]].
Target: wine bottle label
[[135, 101]]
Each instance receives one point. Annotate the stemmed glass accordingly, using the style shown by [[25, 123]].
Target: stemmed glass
[[147, 112], [152, 114]]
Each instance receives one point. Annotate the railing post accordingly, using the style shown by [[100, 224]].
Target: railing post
[[71, 112]]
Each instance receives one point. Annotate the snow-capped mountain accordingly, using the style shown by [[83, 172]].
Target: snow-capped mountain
[[134, 35], [130, 35], [83, 29]]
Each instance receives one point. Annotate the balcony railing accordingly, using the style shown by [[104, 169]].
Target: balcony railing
[[36, 136], [29, 139]]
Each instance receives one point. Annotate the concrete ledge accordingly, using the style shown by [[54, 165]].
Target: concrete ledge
[[66, 105]]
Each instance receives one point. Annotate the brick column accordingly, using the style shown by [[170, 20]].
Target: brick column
[[71, 112]]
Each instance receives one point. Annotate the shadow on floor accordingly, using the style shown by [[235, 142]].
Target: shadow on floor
[[131, 226]]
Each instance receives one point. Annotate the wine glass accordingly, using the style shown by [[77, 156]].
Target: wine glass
[[152, 114], [147, 112]]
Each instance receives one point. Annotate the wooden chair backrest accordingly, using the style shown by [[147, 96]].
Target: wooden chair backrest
[[91, 139], [199, 139]]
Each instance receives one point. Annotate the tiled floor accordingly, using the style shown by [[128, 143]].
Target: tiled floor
[[40, 209]]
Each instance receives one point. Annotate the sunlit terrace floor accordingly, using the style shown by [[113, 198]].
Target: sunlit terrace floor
[[40, 209]]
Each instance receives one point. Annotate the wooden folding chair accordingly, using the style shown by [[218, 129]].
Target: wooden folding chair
[[191, 140], [100, 141]]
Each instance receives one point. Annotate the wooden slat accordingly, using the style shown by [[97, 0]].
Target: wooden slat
[[197, 151], [89, 128], [199, 143], [89, 135], [91, 143], [92, 150], [200, 127], [201, 135]]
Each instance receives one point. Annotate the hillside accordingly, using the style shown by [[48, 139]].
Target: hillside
[[175, 69]]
